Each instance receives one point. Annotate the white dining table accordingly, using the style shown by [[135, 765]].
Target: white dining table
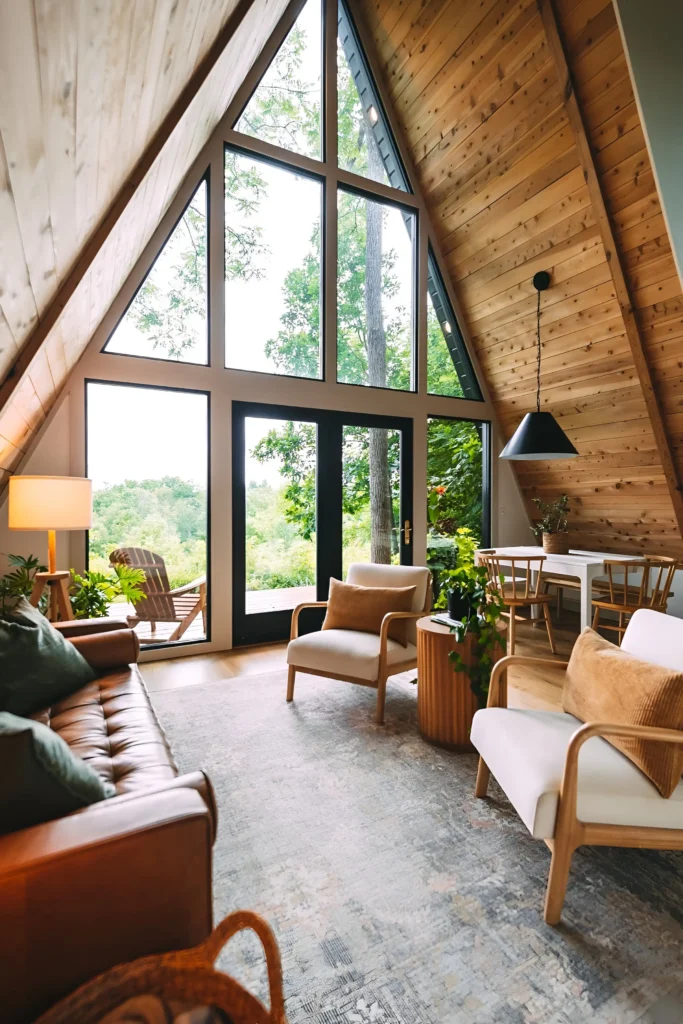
[[584, 565]]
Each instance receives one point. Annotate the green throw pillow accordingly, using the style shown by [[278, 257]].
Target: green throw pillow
[[37, 665], [40, 777]]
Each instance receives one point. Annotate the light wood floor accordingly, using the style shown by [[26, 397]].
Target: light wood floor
[[527, 689]]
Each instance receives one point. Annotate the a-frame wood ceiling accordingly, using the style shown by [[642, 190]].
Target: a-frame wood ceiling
[[105, 106], [521, 175]]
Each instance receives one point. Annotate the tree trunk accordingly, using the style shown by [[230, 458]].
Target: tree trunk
[[381, 513]]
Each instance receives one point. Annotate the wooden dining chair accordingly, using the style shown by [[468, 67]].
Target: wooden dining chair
[[632, 584], [521, 588]]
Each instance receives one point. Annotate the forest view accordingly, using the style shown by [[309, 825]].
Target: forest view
[[375, 345]]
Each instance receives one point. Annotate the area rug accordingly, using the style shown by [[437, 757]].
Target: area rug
[[396, 896]]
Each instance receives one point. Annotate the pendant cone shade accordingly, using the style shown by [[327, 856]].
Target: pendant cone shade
[[539, 435]]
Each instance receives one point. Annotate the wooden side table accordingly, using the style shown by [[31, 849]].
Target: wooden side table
[[445, 702]]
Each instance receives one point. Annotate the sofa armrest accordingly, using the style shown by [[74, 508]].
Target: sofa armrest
[[84, 627], [105, 651], [116, 881]]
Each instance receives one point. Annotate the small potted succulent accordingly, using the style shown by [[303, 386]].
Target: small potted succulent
[[553, 527]]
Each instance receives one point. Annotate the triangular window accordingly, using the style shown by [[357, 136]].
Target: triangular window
[[285, 106], [449, 368], [168, 318], [365, 142]]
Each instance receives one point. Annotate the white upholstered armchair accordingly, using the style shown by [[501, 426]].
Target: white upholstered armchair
[[569, 785], [354, 656]]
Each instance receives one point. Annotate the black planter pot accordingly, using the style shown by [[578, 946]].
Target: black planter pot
[[458, 604]]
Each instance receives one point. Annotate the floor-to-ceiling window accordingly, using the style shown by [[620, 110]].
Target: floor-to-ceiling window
[[296, 270]]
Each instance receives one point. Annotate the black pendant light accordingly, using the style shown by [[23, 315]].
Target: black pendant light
[[539, 435]]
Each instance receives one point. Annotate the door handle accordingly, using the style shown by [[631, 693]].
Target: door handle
[[406, 531]]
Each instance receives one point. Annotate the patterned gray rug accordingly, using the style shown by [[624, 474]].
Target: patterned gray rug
[[396, 897]]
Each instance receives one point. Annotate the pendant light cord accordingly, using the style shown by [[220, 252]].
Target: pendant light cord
[[538, 359]]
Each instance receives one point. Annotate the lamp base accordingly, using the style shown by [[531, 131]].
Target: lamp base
[[59, 606]]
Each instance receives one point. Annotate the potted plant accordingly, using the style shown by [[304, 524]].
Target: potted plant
[[553, 526], [93, 592], [458, 584]]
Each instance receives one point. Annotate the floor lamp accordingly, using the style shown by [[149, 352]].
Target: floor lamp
[[51, 503]]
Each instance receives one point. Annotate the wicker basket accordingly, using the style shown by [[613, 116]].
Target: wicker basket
[[187, 976], [556, 543]]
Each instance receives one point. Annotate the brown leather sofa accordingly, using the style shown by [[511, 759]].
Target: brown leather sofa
[[117, 880]]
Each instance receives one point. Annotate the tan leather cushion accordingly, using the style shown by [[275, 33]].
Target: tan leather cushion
[[606, 684], [363, 608]]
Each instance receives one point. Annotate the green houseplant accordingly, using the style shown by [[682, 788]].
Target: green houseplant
[[552, 528], [18, 582], [92, 592], [457, 583]]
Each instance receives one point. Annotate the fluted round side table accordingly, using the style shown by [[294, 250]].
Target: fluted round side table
[[445, 702]]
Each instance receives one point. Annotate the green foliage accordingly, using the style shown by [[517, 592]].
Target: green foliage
[[277, 555], [554, 516], [482, 623], [167, 516], [19, 581], [93, 592], [464, 577], [442, 378]]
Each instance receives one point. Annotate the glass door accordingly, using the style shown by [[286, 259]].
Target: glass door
[[313, 491]]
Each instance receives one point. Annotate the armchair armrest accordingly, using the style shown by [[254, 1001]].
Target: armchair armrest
[[199, 582], [108, 650], [498, 690], [294, 632], [113, 882], [392, 617]]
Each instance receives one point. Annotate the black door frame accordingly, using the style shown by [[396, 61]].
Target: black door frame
[[265, 627]]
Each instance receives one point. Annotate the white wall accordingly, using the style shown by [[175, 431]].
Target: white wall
[[50, 457], [652, 31]]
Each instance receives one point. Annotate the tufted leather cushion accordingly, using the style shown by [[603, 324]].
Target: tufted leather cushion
[[111, 724]]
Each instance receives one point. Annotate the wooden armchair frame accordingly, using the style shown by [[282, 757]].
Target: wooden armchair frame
[[570, 831], [384, 669]]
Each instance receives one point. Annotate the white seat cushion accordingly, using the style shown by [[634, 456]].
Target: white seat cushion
[[345, 652], [525, 751]]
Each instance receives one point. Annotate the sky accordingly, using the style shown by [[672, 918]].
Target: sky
[[142, 433]]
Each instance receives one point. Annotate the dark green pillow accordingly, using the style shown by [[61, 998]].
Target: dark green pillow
[[37, 665], [40, 777]]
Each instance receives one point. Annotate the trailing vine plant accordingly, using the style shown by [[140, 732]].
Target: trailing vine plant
[[482, 623]]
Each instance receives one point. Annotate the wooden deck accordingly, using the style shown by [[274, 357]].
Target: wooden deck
[[257, 601]]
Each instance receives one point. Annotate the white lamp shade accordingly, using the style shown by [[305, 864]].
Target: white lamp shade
[[50, 503]]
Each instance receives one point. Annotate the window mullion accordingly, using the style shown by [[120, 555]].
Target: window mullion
[[330, 200]]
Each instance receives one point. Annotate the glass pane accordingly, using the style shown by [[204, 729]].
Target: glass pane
[[371, 467], [148, 459], [375, 271], [168, 317], [285, 107], [272, 268], [442, 378], [454, 490], [280, 461], [365, 142]]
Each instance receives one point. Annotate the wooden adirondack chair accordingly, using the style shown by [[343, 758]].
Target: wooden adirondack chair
[[161, 604]]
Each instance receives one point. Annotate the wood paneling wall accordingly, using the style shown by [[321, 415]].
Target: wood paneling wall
[[479, 99], [85, 87]]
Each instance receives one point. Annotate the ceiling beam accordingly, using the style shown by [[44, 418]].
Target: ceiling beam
[[89, 252], [575, 117]]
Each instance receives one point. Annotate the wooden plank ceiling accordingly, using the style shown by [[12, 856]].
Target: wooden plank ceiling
[[483, 108], [87, 90]]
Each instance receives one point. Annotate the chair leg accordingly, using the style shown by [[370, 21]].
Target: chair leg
[[513, 626], [557, 881], [381, 697], [549, 627], [596, 619], [291, 676], [558, 608], [483, 776]]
